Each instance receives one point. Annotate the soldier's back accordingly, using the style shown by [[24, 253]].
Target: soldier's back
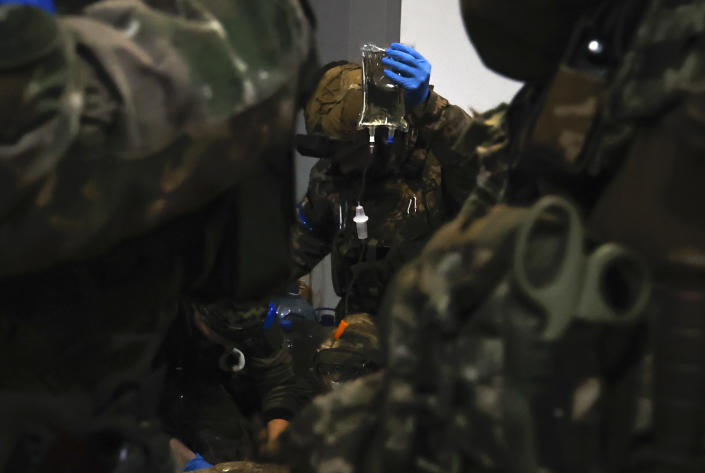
[[136, 155]]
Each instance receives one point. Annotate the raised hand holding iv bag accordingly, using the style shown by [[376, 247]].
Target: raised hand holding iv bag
[[383, 103]]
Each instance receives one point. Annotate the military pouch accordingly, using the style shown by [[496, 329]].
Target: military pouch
[[566, 119], [548, 315], [570, 110]]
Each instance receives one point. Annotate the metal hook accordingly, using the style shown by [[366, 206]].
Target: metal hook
[[408, 208], [340, 216]]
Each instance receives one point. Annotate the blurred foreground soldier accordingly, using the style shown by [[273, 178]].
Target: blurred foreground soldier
[[409, 186], [144, 162], [524, 341]]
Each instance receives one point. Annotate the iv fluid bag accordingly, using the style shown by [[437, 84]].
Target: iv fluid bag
[[383, 99]]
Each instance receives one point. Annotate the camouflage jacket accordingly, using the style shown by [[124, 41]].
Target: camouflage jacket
[[127, 160], [430, 179], [468, 386]]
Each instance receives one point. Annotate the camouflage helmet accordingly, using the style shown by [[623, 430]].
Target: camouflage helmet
[[350, 351], [335, 106]]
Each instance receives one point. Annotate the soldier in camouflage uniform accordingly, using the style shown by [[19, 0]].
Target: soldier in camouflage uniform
[[228, 378], [489, 367], [145, 164], [408, 189]]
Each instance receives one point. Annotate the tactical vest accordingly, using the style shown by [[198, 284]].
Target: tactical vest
[[404, 212]]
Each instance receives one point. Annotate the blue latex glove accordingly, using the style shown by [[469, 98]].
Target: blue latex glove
[[197, 463], [409, 69], [46, 5], [271, 316]]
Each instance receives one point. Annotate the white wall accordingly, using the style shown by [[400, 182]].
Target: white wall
[[435, 29]]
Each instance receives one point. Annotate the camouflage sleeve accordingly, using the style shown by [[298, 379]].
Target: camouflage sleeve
[[124, 123], [332, 433], [312, 234], [440, 124], [454, 138], [283, 394]]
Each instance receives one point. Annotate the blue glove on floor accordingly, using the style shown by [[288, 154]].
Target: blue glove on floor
[[409, 69], [46, 5], [197, 463]]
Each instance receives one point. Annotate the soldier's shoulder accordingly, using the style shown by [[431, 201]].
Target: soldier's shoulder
[[470, 254]]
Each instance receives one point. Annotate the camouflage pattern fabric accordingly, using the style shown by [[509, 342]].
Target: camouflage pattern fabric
[[334, 109], [147, 114], [424, 184], [485, 140], [333, 434], [467, 387], [131, 145], [350, 351]]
